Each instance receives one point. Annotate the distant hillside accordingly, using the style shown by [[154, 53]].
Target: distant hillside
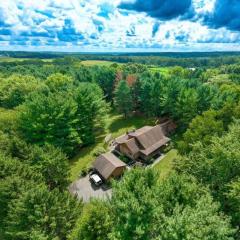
[[164, 59]]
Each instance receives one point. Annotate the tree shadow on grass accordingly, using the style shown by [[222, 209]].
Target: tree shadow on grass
[[86, 150], [122, 124], [84, 157]]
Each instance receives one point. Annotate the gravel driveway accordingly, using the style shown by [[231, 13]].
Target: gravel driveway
[[85, 190]]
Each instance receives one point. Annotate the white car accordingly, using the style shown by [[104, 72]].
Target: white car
[[95, 178]]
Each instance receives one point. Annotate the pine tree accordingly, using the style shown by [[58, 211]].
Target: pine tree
[[123, 98], [51, 213]]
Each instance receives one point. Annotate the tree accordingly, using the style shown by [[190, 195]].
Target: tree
[[52, 120], [15, 89], [95, 222], [52, 164], [135, 206], [66, 123], [156, 97], [105, 78], [12, 166], [177, 71], [228, 113], [81, 74], [184, 223], [134, 68], [10, 188], [144, 208], [37, 235], [123, 98], [233, 201], [8, 120], [216, 164], [206, 95], [59, 82], [53, 214], [202, 128], [91, 111], [170, 91], [228, 94], [145, 86], [186, 106], [5, 143], [12, 145], [15, 178]]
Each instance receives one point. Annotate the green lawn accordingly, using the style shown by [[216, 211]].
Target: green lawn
[[116, 125], [96, 62], [164, 167], [162, 70], [11, 59]]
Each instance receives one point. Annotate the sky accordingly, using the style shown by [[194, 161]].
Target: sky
[[120, 25]]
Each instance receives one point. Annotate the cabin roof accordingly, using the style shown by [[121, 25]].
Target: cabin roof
[[106, 163]]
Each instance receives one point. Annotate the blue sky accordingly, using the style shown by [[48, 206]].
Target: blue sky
[[120, 25]]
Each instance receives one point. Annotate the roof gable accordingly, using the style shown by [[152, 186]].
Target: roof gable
[[106, 163], [150, 137], [145, 140], [132, 145]]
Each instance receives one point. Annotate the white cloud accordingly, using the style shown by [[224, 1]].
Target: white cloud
[[49, 17]]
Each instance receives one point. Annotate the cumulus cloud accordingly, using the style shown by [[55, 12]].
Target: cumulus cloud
[[93, 25], [226, 13], [161, 9]]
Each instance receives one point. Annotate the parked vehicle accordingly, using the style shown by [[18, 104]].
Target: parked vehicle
[[95, 179]]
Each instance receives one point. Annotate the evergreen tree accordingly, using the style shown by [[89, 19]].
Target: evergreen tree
[[105, 78], [233, 201], [202, 128], [91, 111], [53, 214], [144, 208], [95, 222], [123, 98], [216, 165], [52, 164], [186, 107], [52, 120]]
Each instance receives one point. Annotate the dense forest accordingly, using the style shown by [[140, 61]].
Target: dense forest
[[184, 59], [53, 108]]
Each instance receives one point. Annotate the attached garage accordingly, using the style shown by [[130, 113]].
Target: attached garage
[[108, 166]]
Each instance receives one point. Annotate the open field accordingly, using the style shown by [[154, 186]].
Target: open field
[[162, 70], [116, 125], [97, 62], [11, 59]]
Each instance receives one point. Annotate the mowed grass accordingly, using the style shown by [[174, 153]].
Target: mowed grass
[[11, 59], [162, 70], [116, 125], [96, 62], [164, 167]]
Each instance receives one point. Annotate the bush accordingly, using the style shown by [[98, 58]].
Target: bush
[[125, 159], [98, 151], [85, 171]]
